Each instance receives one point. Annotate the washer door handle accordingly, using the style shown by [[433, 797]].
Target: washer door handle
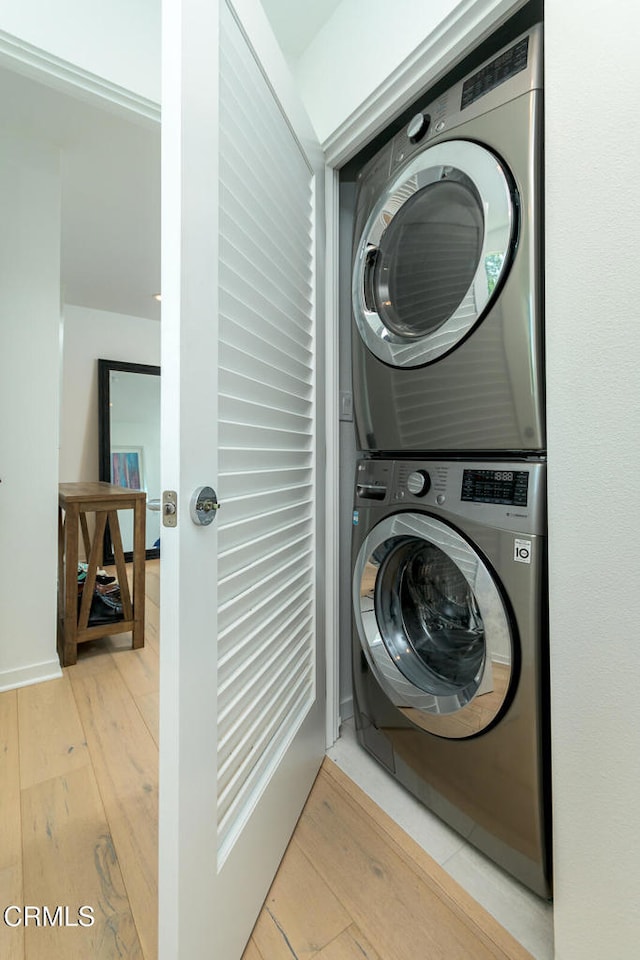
[[370, 259]]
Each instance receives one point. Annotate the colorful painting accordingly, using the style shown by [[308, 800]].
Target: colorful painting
[[126, 468]]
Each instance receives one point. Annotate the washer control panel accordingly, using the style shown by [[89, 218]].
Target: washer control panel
[[496, 486], [508, 495]]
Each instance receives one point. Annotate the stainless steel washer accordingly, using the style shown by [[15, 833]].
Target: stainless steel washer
[[447, 270], [449, 645]]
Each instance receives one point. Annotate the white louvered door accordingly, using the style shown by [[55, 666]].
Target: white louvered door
[[242, 669]]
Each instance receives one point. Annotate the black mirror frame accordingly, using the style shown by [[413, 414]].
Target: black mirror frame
[[104, 438]]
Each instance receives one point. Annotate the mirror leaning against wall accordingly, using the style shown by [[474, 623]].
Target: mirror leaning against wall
[[129, 444]]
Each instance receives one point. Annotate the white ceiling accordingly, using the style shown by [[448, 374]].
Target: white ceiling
[[110, 167]]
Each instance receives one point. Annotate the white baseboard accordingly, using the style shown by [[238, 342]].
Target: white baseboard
[[34, 673]]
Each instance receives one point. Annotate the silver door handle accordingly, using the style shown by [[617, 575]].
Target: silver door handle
[[204, 506]]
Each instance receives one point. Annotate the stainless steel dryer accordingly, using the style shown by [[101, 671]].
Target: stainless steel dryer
[[449, 646], [447, 270]]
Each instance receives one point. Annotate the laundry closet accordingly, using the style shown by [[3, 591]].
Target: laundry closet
[[443, 565]]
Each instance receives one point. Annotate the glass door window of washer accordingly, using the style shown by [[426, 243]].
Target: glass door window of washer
[[433, 625]]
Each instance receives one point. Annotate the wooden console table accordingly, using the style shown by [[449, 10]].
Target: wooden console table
[[76, 500]]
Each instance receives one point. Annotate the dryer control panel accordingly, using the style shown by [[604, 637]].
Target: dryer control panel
[[515, 70], [495, 72]]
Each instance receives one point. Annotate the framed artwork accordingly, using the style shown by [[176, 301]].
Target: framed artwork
[[127, 467]]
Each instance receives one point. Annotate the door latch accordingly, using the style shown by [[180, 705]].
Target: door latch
[[169, 508], [204, 506]]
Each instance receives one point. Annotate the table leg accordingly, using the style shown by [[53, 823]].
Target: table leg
[[86, 539], [121, 567], [61, 588], [70, 632]]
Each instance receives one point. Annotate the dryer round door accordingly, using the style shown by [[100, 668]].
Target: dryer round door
[[433, 625], [433, 253]]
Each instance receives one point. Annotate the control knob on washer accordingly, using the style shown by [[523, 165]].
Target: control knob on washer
[[419, 483]]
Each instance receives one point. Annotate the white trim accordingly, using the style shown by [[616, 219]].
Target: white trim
[[34, 673], [332, 428], [38, 64], [471, 22]]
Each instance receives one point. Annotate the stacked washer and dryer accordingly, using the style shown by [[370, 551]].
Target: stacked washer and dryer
[[449, 523]]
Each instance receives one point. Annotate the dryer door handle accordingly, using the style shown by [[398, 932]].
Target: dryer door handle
[[367, 277]]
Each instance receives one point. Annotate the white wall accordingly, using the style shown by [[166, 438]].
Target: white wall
[[356, 50], [90, 335], [593, 338], [119, 40], [29, 351]]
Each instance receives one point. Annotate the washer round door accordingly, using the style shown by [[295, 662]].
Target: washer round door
[[433, 625], [433, 253]]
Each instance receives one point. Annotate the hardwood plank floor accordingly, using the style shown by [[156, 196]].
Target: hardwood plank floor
[[11, 948], [283, 929], [52, 741], [402, 905], [78, 825], [79, 805], [350, 945], [125, 761], [69, 860]]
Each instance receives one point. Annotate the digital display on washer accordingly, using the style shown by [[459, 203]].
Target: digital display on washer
[[496, 486], [506, 65]]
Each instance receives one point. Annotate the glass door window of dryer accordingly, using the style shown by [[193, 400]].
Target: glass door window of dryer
[[433, 253], [427, 259]]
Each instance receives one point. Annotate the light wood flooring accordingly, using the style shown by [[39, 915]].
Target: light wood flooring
[[79, 801], [354, 886], [78, 825]]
